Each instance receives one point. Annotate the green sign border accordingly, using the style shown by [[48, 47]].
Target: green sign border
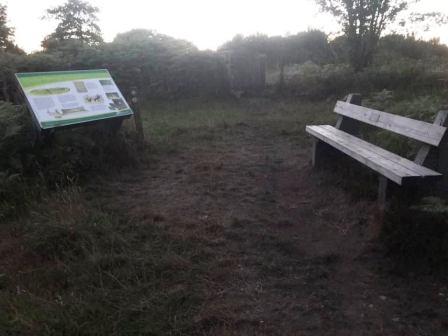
[[28, 80]]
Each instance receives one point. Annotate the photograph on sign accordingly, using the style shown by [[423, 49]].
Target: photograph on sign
[[63, 98]]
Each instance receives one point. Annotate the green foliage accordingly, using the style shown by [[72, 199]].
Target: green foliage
[[199, 73], [420, 107], [100, 273], [314, 81], [305, 64], [77, 24], [398, 46], [14, 134], [153, 40], [6, 32], [363, 23], [400, 74], [308, 63], [8, 66], [15, 140], [305, 46], [156, 64], [419, 22], [161, 66], [31, 168], [143, 58]]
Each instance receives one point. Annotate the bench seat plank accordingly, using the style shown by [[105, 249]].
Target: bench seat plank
[[431, 134], [388, 164], [410, 165]]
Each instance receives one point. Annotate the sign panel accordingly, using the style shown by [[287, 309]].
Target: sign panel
[[63, 98]]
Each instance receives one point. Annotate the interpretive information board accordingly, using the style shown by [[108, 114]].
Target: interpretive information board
[[63, 98]]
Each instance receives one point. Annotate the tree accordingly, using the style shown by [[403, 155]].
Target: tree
[[77, 25], [280, 51], [311, 45], [6, 32], [363, 22], [143, 58], [422, 22], [10, 56]]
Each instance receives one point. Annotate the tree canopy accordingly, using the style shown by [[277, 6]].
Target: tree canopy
[[6, 32], [304, 46], [363, 22], [309, 62], [77, 23]]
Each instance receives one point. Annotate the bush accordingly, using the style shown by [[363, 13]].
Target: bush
[[424, 107], [395, 46], [29, 167], [15, 142], [320, 81], [197, 74], [401, 74], [314, 81]]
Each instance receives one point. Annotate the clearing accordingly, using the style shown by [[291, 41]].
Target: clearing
[[227, 231]]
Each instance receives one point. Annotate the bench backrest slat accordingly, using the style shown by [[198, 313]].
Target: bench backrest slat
[[422, 131]]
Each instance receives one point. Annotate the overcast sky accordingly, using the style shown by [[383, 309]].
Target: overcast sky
[[206, 23]]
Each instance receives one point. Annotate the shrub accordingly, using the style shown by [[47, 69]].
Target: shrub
[[312, 80], [29, 167], [320, 81], [15, 142], [424, 107], [197, 74], [399, 75], [394, 46]]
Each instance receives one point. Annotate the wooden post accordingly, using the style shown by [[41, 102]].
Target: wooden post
[[428, 155], [350, 125], [382, 192], [436, 158], [322, 150], [316, 152], [137, 116]]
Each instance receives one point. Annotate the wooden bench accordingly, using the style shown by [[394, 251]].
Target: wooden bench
[[429, 165]]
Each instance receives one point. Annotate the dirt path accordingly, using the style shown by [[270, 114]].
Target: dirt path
[[286, 253]]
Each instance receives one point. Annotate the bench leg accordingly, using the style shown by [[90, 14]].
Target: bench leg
[[321, 151], [382, 192], [377, 224]]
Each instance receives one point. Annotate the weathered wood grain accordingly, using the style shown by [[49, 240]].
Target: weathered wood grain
[[388, 164], [422, 131], [407, 164], [350, 125]]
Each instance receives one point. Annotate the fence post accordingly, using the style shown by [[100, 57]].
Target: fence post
[[137, 116]]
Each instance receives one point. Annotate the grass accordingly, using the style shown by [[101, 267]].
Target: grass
[[222, 231], [76, 265], [88, 271], [166, 123]]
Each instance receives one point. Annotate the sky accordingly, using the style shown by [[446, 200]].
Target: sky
[[206, 23]]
